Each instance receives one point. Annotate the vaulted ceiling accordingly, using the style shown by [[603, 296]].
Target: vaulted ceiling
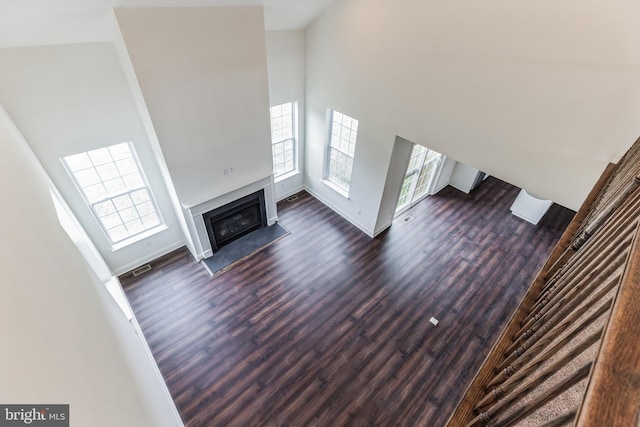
[[45, 22]]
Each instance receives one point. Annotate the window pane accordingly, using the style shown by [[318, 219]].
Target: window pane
[[135, 227], [277, 135], [132, 181], [283, 138], [118, 233], [140, 196], [120, 151], [341, 149], [150, 220], [126, 166], [87, 177], [104, 208], [107, 171], [122, 202], [113, 184], [95, 192], [145, 208], [78, 161], [100, 157], [111, 220], [129, 214]]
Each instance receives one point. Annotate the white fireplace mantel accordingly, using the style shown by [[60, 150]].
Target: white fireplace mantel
[[196, 222]]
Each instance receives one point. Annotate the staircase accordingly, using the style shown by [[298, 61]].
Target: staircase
[[570, 355]]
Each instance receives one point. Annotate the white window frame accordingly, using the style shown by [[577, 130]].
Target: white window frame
[[340, 151], [139, 186], [424, 164], [283, 136]]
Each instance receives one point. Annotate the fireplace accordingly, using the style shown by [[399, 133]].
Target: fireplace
[[236, 219]]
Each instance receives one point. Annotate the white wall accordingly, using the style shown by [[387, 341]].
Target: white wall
[[444, 177], [542, 95], [285, 63], [203, 74], [68, 99], [64, 338], [395, 176], [463, 177]]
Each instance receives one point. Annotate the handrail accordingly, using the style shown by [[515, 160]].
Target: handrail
[[474, 393], [613, 393], [577, 325]]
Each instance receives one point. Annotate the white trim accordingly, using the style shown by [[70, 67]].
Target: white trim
[[286, 176], [221, 192], [165, 389], [115, 245], [137, 237], [381, 229], [291, 192], [332, 185], [200, 235], [340, 212], [148, 258]]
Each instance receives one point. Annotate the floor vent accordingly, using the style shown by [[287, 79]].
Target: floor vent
[[292, 198], [407, 218], [143, 269]]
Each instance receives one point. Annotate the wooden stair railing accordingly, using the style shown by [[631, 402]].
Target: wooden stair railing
[[570, 354]]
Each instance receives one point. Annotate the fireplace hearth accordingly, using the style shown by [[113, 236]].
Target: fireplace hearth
[[236, 219]]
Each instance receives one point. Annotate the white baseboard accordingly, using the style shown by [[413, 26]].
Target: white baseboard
[[383, 228], [343, 214], [147, 258], [290, 193]]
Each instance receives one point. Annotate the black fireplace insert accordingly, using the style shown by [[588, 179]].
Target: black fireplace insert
[[236, 219]]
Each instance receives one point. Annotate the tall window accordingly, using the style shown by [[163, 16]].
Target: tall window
[[283, 138], [419, 178], [116, 190], [342, 146]]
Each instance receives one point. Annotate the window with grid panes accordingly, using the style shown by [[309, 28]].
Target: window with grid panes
[[342, 146], [283, 138], [116, 190]]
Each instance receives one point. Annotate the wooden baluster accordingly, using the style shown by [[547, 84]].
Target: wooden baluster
[[596, 219], [611, 230], [608, 210], [489, 417], [589, 264], [556, 345], [524, 355], [557, 390], [564, 321], [611, 233], [517, 392], [611, 262], [509, 385], [572, 299], [612, 396]]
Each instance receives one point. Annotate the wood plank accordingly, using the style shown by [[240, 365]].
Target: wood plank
[[330, 327]]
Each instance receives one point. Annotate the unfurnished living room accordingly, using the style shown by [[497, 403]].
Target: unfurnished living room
[[284, 212]]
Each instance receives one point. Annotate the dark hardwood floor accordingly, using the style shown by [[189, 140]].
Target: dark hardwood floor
[[329, 327]]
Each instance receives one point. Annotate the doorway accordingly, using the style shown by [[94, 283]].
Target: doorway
[[419, 180]]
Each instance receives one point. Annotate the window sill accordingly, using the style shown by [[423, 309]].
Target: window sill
[[287, 176], [138, 237], [336, 188]]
